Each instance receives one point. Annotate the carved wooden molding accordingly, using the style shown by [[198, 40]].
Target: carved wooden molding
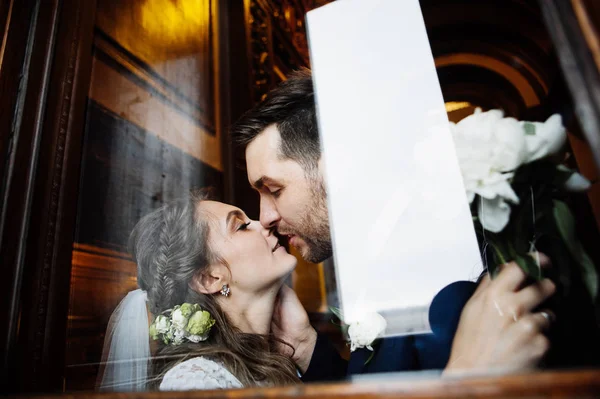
[[277, 41], [47, 173], [260, 50]]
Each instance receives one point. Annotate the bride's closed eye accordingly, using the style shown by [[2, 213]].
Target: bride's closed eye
[[244, 226]]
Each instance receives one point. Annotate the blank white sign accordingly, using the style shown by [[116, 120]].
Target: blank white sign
[[400, 219]]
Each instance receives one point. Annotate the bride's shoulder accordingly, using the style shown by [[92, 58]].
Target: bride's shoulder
[[198, 373]]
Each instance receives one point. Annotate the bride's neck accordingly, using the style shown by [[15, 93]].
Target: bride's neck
[[251, 313]]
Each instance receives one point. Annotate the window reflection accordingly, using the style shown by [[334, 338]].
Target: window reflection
[[151, 128], [150, 136]]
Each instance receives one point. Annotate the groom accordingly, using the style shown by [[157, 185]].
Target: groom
[[496, 329]]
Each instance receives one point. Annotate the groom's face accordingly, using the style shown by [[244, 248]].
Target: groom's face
[[291, 200]]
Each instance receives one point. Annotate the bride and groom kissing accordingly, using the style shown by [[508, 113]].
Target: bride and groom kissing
[[212, 310]]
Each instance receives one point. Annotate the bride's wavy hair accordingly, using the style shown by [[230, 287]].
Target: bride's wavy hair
[[170, 245]]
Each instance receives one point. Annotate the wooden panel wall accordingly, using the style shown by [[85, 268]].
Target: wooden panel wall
[[150, 136]]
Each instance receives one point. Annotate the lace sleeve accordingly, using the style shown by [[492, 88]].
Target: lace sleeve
[[198, 373]]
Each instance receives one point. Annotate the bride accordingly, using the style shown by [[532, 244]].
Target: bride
[[209, 279]]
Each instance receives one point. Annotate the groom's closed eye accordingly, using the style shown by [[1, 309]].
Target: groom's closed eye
[[265, 181]]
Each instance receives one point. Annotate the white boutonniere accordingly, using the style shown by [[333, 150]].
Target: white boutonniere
[[364, 331]]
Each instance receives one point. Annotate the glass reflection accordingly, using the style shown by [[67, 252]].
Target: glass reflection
[[152, 137]]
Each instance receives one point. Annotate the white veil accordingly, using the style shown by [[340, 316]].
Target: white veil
[[126, 353]]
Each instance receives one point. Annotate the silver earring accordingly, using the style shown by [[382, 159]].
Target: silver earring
[[225, 291]]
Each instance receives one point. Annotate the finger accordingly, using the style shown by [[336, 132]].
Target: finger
[[542, 259], [510, 278], [531, 297], [534, 323], [285, 289], [548, 315], [483, 284], [286, 292]]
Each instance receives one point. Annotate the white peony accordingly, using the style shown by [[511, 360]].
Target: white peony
[[162, 324], [490, 148], [544, 139], [179, 319], [363, 332], [575, 182]]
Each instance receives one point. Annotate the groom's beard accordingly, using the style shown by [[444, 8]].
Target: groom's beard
[[314, 227]]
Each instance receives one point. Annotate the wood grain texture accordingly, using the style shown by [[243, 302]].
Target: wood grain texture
[[579, 68], [56, 94], [15, 168], [585, 13], [172, 41], [580, 384]]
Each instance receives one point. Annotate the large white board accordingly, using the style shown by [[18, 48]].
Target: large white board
[[400, 219]]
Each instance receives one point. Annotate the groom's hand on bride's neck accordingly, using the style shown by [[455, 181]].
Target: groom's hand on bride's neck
[[291, 325], [501, 328]]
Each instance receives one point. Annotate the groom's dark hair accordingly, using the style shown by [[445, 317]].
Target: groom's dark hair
[[291, 107]]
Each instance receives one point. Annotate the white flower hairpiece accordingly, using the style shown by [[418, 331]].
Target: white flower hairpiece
[[185, 322]]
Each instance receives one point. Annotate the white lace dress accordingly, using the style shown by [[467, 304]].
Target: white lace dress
[[198, 373]]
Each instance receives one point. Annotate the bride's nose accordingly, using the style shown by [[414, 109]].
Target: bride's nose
[[266, 232]]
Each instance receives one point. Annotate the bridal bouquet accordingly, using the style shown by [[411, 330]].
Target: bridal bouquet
[[518, 192]]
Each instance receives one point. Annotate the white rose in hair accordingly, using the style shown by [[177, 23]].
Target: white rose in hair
[[197, 338], [363, 332], [178, 336], [162, 324], [179, 319]]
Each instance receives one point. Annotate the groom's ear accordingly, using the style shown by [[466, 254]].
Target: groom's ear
[[210, 280]]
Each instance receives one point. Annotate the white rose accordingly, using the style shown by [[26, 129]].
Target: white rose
[[178, 336], [577, 183], [544, 139], [162, 324], [490, 148], [363, 332], [197, 338], [179, 320]]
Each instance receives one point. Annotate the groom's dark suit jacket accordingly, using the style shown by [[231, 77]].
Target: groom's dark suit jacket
[[408, 353]]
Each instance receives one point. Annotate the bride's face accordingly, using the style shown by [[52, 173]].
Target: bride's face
[[255, 258]]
